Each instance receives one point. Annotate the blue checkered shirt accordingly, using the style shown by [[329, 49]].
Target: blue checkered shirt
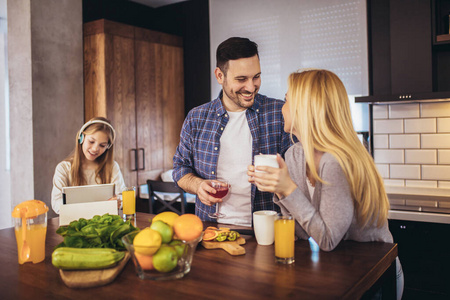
[[201, 134]]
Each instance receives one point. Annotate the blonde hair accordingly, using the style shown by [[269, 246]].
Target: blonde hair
[[321, 118], [103, 173]]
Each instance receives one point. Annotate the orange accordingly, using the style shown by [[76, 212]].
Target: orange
[[145, 261], [188, 227], [210, 235]]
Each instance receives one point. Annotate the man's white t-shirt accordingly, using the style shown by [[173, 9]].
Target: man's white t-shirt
[[234, 157]]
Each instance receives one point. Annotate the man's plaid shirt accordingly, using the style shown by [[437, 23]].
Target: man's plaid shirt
[[199, 146]]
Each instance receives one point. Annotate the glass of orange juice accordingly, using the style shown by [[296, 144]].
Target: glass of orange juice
[[129, 203], [284, 239], [30, 222]]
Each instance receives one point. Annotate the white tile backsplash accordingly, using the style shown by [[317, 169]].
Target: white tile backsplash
[[436, 172], [444, 184], [383, 169], [394, 182], [403, 111], [443, 125], [404, 141], [421, 157], [380, 111], [437, 141], [388, 126], [420, 125], [411, 144], [441, 109], [422, 183], [404, 171], [444, 157], [381, 141], [389, 156]]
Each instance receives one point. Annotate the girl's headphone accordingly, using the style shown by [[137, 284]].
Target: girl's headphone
[[81, 135]]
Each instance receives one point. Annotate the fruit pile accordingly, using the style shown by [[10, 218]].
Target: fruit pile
[[160, 246], [221, 234]]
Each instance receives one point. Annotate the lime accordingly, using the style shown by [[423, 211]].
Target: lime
[[164, 229], [166, 259], [179, 247]]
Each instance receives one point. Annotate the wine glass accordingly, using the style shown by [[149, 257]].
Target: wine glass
[[221, 187]]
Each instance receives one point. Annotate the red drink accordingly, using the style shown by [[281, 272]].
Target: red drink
[[221, 192]]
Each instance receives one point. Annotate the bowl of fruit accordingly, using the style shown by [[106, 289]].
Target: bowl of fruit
[[166, 248]]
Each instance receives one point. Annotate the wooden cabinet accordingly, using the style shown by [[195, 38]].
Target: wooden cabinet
[[134, 77]]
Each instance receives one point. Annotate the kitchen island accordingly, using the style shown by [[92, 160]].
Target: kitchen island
[[353, 270]]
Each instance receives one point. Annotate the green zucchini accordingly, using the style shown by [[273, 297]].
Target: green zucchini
[[86, 258]]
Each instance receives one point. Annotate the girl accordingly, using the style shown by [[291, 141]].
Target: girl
[[91, 162], [329, 182]]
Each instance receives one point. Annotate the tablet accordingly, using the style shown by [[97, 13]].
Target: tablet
[[87, 193]]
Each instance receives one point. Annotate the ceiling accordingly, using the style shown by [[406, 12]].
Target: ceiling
[[156, 3]]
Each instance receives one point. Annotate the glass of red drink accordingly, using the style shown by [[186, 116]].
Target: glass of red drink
[[221, 187]]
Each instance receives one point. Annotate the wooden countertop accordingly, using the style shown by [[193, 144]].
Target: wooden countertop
[[345, 273]]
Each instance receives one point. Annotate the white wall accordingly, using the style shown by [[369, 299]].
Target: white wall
[[329, 34]]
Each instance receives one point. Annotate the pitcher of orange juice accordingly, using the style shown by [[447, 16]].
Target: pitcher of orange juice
[[30, 222]]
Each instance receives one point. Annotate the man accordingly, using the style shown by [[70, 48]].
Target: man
[[219, 139]]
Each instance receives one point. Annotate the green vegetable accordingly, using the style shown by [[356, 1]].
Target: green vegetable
[[227, 235], [232, 236], [86, 258], [99, 232]]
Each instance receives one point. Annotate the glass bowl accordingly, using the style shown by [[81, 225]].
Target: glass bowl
[[183, 265]]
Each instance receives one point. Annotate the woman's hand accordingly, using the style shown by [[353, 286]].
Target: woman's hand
[[274, 180]]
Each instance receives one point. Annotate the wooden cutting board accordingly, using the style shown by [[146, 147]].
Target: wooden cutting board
[[92, 278], [232, 247]]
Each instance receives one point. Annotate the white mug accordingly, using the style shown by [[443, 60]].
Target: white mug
[[269, 160], [263, 225]]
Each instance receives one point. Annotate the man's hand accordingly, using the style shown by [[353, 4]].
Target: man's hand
[[199, 186]]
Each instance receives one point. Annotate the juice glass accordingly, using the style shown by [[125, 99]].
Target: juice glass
[[30, 228], [129, 203], [284, 239]]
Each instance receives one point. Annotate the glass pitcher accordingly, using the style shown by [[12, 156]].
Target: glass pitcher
[[30, 222]]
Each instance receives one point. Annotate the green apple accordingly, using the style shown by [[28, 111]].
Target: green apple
[[179, 247], [166, 259], [164, 229]]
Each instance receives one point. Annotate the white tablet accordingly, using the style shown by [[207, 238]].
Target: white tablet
[[87, 193]]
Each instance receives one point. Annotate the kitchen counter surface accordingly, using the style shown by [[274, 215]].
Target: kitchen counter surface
[[348, 272]]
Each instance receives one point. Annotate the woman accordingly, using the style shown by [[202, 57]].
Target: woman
[[332, 186], [91, 162]]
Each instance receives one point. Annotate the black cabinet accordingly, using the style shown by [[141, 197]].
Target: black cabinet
[[405, 62], [424, 251], [411, 60], [401, 44]]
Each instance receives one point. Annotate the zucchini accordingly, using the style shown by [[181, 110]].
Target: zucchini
[[86, 258]]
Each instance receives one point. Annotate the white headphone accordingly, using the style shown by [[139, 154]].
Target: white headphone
[[81, 135]]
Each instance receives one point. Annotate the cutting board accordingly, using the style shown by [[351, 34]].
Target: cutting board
[[232, 247], [92, 278]]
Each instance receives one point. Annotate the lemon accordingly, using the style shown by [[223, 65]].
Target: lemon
[[167, 217], [147, 241]]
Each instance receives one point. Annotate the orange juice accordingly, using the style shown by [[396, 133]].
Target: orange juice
[[284, 239], [35, 237], [129, 202]]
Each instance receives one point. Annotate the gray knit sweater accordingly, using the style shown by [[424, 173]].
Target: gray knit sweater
[[329, 216]]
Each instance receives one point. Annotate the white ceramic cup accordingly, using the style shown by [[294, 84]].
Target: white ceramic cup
[[263, 225], [269, 160]]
